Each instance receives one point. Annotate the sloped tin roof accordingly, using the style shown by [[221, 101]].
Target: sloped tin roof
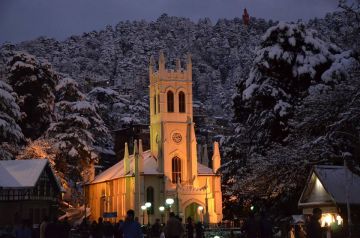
[[336, 181], [21, 173], [150, 168]]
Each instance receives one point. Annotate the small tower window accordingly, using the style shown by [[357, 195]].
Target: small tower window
[[181, 102], [170, 101], [176, 170], [154, 104], [150, 198]]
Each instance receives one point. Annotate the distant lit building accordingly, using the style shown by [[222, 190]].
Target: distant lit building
[[28, 190], [170, 171]]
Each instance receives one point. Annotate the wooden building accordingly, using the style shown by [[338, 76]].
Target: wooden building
[[331, 188], [28, 190]]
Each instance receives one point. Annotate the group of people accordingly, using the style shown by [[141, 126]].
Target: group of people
[[131, 228]]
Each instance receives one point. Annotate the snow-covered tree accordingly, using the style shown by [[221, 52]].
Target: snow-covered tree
[[10, 132], [34, 81], [273, 147], [290, 63], [77, 129]]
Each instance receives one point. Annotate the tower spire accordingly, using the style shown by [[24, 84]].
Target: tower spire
[[216, 157], [161, 61], [126, 159], [178, 64], [151, 64], [141, 158]]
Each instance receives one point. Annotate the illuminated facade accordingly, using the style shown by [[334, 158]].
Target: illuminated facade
[[170, 169]]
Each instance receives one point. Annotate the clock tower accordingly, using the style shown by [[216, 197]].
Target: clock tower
[[172, 135]]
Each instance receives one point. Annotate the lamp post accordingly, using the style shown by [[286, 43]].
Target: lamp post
[[169, 202], [162, 209], [143, 208], [201, 211], [148, 206]]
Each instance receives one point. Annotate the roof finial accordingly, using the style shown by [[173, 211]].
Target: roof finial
[[161, 60], [178, 64]]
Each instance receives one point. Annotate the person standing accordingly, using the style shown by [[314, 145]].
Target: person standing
[[173, 228], [199, 228], [156, 229], [190, 228], [313, 227], [43, 226], [131, 228]]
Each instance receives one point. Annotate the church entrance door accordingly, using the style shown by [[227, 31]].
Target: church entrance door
[[195, 211]]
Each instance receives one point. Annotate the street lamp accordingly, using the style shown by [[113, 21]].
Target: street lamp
[[201, 211], [162, 209], [143, 208], [148, 205], [169, 202]]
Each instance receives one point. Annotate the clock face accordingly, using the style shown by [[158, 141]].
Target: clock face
[[176, 137]]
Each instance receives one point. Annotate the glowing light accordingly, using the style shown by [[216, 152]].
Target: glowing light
[[216, 236], [201, 208], [339, 220], [148, 204], [327, 219], [161, 209], [143, 207], [252, 208], [169, 201]]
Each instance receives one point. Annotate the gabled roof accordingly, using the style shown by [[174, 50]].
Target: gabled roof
[[21, 173], [150, 168], [334, 183]]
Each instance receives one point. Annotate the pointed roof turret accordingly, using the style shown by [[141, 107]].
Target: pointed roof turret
[[161, 60], [178, 64], [151, 64], [205, 158], [216, 157], [141, 158], [126, 159]]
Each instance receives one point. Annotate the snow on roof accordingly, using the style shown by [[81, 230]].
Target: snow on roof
[[202, 170], [21, 173], [150, 168], [334, 180], [331, 186]]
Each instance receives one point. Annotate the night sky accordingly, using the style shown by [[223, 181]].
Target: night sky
[[27, 19]]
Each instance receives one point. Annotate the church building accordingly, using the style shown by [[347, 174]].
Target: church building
[[169, 175]]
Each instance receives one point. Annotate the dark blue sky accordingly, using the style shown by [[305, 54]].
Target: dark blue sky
[[27, 19]]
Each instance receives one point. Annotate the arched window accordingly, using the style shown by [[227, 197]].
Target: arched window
[[150, 198], [176, 170], [170, 101], [158, 102], [154, 104], [181, 102]]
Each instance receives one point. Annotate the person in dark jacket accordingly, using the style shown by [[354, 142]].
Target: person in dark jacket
[[199, 228], [265, 226], [156, 229], [108, 230], [251, 227], [314, 229], [173, 228], [131, 228], [190, 228]]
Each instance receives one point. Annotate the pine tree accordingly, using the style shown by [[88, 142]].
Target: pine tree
[[34, 81], [11, 135], [291, 63], [75, 131]]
